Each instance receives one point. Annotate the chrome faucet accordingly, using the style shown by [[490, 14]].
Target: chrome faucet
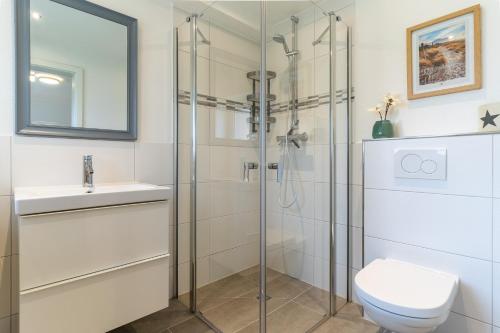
[[88, 173]]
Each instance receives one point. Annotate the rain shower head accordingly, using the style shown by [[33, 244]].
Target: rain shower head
[[279, 38]]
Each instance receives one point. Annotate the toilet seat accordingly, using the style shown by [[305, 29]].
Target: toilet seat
[[406, 290]]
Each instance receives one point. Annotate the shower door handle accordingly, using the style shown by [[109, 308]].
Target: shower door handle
[[247, 166], [277, 167]]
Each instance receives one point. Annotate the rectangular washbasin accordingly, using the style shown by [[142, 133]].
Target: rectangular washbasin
[[44, 199]]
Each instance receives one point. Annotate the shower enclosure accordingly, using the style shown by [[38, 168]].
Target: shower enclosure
[[263, 107]]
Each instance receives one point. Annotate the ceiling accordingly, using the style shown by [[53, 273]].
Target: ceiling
[[243, 17]]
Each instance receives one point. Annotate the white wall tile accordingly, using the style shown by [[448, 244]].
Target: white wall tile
[[184, 277], [298, 234], [496, 294], [305, 77], [299, 265], [14, 284], [203, 271], [356, 206], [274, 230], [469, 168], [496, 329], [322, 201], [203, 121], [322, 242], [496, 166], [229, 82], [454, 224], [5, 226], [304, 205], [321, 163], [155, 89], [474, 298], [460, 324], [5, 278], [224, 263], [5, 325], [203, 169], [357, 248], [5, 165], [496, 230], [51, 162], [357, 163], [322, 239], [222, 233], [232, 50], [183, 242], [304, 160], [154, 163], [7, 68]]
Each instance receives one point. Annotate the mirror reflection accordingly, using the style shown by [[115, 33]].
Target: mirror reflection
[[78, 73]]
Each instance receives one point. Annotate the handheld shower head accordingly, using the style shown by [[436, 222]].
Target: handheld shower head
[[279, 38]]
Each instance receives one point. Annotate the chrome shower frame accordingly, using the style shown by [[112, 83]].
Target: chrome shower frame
[[333, 100]]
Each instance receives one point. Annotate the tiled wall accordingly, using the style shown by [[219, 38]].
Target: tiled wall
[[29, 161], [227, 214], [454, 223]]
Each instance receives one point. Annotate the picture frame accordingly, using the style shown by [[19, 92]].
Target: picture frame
[[444, 55]]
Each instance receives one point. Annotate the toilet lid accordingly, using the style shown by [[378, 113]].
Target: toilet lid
[[406, 289]]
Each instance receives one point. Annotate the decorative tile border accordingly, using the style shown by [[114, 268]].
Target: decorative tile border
[[304, 103]]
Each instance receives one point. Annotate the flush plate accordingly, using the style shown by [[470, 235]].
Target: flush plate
[[420, 163]]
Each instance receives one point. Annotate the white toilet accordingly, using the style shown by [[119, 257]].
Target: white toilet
[[405, 298]]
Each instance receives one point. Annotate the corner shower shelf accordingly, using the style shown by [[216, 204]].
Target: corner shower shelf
[[254, 97]]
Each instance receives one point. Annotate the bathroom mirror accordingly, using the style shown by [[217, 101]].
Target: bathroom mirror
[[76, 70]]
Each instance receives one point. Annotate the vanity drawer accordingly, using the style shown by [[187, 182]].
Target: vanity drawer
[[98, 303], [58, 246]]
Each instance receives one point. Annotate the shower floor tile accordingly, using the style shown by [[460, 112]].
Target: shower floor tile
[[232, 305]]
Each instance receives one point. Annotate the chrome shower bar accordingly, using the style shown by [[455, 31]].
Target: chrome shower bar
[[327, 29], [320, 38], [204, 40]]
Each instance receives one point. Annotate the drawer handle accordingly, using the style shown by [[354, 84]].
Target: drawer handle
[[87, 276]]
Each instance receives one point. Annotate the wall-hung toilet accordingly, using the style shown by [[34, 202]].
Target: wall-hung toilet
[[405, 298]]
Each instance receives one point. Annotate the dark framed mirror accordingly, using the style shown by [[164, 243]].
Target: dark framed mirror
[[76, 70]]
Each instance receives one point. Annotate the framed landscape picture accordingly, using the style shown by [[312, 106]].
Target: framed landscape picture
[[444, 55]]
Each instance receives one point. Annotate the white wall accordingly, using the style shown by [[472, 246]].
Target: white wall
[[454, 223], [380, 67], [51, 161]]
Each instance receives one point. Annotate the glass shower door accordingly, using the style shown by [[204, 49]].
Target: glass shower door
[[226, 232]]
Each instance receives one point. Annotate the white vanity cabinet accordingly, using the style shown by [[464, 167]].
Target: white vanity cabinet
[[94, 269]]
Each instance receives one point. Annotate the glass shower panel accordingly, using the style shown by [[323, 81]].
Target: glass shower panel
[[227, 251], [298, 182]]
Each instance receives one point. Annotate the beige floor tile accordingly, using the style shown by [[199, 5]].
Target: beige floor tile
[[158, 322], [238, 313], [193, 325], [286, 287], [315, 299], [290, 318], [340, 325], [253, 273]]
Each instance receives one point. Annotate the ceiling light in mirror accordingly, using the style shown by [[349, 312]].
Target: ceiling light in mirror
[[36, 16]]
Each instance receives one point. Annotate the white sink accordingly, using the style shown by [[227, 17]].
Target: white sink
[[34, 200]]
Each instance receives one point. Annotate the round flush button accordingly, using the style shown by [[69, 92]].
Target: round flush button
[[411, 163], [429, 166]]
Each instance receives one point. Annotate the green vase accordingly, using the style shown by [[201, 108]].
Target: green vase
[[382, 129]]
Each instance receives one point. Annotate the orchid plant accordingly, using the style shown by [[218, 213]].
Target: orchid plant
[[390, 101]]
